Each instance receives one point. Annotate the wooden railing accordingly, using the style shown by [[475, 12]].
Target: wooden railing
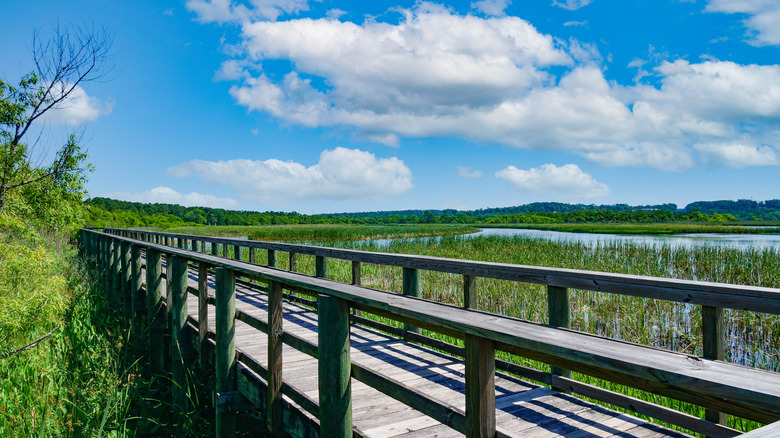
[[706, 381]]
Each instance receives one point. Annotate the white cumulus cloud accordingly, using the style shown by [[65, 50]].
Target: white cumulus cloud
[[491, 7], [571, 4], [77, 108], [436, 73], [222, 11], [167, 195], [567, 181], [340, 173], [468, 173], [737, 155], [762, 19]]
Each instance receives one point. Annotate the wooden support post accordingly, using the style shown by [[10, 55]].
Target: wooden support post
[[116, 274], [127, 296], [237, 252], [713, 337], [137, 299], [470, 292], [560, 316], [320, 266], [215, 249], [226, 345], [225, 249], [154, 309], [480, 387], [274, 378], [196, 246], [177, 277], [252, 255], [271, 258], [334, 367], [356, 280], [181, 243], [203, 313], [167, 240], [412, 288], [293, 262]]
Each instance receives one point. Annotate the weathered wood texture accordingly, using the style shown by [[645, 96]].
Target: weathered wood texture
[[155, 315], [759, 299], [226, 345], [177, 276], [335, 386], [716, 385]]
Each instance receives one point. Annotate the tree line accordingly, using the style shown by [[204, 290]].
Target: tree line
[[112, 212]]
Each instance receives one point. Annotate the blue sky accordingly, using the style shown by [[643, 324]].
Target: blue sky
[[333, 106]]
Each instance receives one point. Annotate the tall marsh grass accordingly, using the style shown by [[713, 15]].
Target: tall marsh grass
[[752, 338]]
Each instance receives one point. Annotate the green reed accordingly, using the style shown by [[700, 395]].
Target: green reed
[[752, 338]]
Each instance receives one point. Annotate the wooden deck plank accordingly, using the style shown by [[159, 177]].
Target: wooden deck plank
[[522, 408]]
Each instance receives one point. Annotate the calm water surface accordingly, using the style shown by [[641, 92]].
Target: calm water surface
[[741, 241]]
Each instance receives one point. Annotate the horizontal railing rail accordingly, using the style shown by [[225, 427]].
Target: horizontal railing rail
[[740, 297], [711, 383]]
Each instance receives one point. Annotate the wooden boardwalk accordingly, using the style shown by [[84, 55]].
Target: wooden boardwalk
[[523, 409]]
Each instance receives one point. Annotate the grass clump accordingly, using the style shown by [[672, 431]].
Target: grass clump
[[88, 376]]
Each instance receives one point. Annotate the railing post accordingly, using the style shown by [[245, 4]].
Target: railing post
[[412, 288], [320, 266], [271, 258], [203, 313], [293, 262], [127, 297], [237, 252], [215, 249], [137, 301], [116, 274], [470, 292], [480, 387], [252, 255], [334, 367], [713, 336], [181, 243], [177, 277], [274, 378], [195, 245], [225, 248], [356, 280], [154, 309], [226, 345], [560, 316]]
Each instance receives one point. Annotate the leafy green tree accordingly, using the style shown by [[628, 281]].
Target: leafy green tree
[[70, 58]]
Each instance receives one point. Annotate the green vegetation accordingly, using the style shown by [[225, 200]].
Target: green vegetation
[[663, 228], [329, 233], [753, 339], [109, 212]]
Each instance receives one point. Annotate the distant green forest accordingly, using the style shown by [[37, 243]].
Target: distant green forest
[[111, 212]]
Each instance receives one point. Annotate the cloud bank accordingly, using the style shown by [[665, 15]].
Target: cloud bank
[[166, 195], [436, 73], [565, 182], [763, 18], [339, 174]]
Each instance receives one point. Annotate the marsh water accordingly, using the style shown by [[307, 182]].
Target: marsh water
[[740, 241]]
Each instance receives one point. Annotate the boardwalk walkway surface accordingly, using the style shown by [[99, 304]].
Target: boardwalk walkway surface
[[523, 409]]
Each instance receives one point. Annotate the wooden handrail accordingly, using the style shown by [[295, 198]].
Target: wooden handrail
[[719, 386], [731, 296]]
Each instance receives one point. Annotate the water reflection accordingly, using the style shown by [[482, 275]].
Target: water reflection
[[740, 241]]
